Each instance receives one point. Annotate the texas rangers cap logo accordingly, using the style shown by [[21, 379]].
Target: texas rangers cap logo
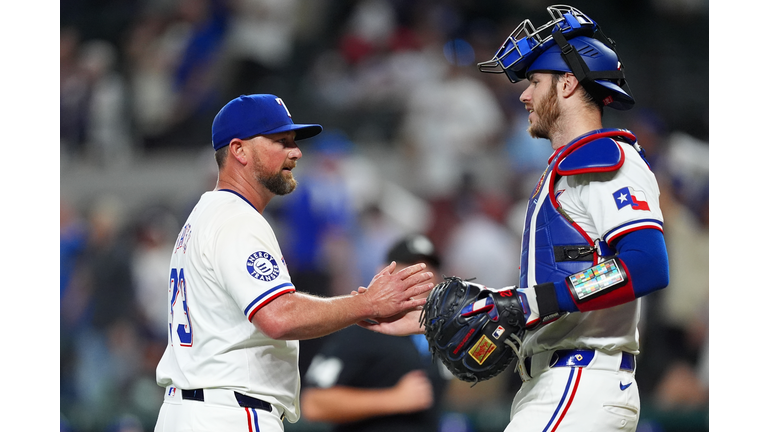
[[262, 266]]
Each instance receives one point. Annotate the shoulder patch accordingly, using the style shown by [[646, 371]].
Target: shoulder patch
[[600, 155], [262, 266], [628, 196]]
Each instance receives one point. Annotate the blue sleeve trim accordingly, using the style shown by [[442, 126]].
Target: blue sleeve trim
[[269, 293]]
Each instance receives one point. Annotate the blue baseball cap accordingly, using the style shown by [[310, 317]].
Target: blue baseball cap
[[256, 114]]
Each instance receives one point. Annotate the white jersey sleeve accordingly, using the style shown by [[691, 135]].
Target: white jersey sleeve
[[607, 205], [247, 259]]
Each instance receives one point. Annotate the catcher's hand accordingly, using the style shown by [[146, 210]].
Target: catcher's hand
[[475, 331]]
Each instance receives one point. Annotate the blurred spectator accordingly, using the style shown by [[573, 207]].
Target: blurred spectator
[[174, 60], [448, 123], [687, 163], [365, 381], [73, 241], [156, 232], [99, 308], [482, 247], [93, 102], [108, 136], [152, 48], [320, 214], [73, 97], [108, 258], [376, 64], [259, 44], [472, 217]]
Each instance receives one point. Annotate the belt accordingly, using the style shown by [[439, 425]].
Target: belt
[[594, 359], [243, 400]]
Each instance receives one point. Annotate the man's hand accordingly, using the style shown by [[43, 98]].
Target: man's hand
[[402, 324], [390, 294]]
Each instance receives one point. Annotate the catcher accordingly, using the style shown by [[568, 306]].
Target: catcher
[[592, 245]]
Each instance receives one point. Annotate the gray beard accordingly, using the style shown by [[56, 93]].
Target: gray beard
[[277, 184]]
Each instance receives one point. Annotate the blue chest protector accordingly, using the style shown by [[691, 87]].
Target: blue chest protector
[[553, 245]]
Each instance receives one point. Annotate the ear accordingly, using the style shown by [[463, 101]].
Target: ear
[[238, 150], [568, 85]]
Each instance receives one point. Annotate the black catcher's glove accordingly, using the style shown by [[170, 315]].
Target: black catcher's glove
[[475, 331]]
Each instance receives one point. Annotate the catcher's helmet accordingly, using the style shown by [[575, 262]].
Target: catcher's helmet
[[570, 42]]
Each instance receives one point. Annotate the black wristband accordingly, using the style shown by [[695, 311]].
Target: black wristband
[[547, 300]]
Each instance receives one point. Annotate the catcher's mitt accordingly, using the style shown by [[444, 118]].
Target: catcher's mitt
[[475, 331]]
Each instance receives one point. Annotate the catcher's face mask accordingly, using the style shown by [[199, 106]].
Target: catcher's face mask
[[570, 42]]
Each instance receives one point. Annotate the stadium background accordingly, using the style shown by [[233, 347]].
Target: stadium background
[[415, 140]]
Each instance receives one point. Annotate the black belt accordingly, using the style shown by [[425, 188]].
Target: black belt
[[243, 400], [582, 358]]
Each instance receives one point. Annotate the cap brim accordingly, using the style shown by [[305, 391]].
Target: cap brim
[[303, 131]]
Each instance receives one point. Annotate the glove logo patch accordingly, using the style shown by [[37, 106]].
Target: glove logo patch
[[262, 266], [498, 332], [482, 350]]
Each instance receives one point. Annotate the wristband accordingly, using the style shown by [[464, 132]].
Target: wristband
[[596, 281]]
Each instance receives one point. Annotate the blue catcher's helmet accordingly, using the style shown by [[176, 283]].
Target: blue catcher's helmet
[[570, 42]]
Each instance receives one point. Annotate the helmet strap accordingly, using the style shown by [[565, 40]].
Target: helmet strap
[[581, 71]]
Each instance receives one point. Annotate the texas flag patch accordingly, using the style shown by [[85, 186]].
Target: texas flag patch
[[627, 196]]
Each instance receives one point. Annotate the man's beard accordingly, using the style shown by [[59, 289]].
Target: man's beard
[[279, 183], [548, 112]]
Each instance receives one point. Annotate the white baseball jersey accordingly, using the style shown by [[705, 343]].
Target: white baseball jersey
[[605, 205], [225, 266]]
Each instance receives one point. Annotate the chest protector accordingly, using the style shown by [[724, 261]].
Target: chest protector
[[554, 246]]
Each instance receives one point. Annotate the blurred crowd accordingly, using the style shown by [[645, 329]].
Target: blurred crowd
[[415, 140]]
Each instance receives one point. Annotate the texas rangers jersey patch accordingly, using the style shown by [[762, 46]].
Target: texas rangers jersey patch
[[627, 196], [262, 266]]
